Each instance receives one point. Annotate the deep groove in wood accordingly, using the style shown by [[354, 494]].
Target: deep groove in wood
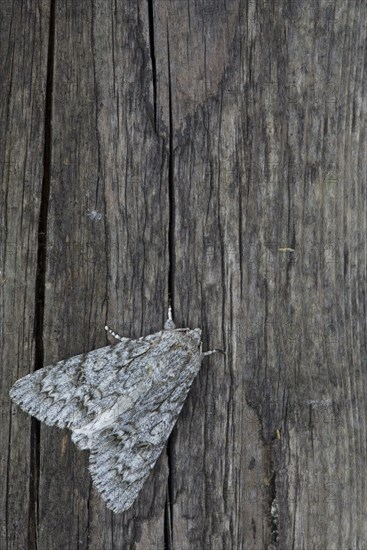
[[33, 517], [152, 58], [168, 534]]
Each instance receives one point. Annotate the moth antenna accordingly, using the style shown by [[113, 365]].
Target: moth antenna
[[114, 334]]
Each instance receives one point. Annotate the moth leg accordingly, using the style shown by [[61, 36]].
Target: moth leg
[[212, 351], [114, 334]]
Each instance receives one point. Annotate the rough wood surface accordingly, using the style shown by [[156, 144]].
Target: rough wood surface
[[213, 151]]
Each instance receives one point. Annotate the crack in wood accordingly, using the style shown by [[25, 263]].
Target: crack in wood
[[168, 520], [33, 516], [152, 58]]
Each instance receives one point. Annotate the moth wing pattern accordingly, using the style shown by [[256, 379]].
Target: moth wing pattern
[[70, 393], [120, 402]]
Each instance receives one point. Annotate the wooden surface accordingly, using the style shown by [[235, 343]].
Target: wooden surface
[[214, 151]]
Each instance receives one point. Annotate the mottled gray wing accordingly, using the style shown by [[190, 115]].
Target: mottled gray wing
[[126, 451], [121, 402], [74, 391]]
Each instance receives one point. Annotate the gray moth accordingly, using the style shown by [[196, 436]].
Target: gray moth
[[120, 402]]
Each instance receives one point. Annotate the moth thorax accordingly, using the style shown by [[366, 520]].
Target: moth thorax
[[169, 325]]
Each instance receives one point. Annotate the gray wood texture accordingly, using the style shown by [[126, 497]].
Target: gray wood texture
[[214, 152]]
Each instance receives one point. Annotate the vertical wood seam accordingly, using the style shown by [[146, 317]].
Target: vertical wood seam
[[33, 515], [152, 59], [168, 519]]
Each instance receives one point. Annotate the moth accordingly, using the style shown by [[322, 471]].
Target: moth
[[120, 402]]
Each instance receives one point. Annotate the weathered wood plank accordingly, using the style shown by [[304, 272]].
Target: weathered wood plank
[[216, 151], [261, 244], [107, 255], [23, 41]]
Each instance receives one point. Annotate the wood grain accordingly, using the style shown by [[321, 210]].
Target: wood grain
[[213, 152], [22, 120]]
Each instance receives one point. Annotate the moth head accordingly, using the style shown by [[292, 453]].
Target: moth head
[[195, 334]]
